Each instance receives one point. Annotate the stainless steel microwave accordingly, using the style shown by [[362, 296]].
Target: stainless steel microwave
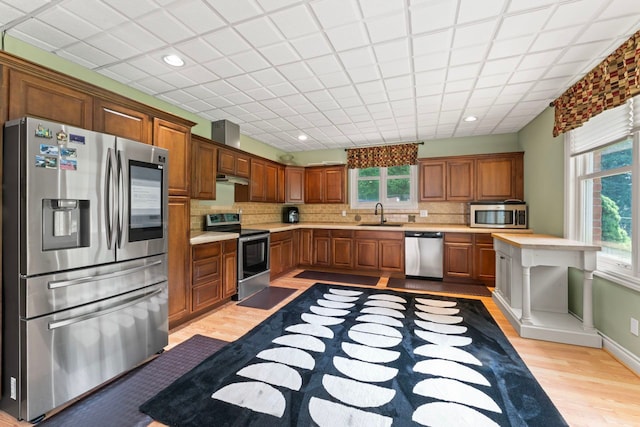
[[509, 214]]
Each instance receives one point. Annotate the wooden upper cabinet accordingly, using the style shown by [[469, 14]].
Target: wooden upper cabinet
[[271, 172], [233, 163], [257, 186], [121, 121], [294, 184], [460, 176], [203, 169], [47, 99], [325, 184], [177, 139], [500, 177], [433, 175]]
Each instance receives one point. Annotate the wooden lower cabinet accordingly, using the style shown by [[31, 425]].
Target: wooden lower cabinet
[[229, 268], [206, 282], [281, 253], [322, 248], [342, 249], [469, 257], [305, 247], [379, 251], [178, 259]]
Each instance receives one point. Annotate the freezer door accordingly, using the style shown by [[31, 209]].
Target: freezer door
[[68, 353], [143, 200], [56, 196]]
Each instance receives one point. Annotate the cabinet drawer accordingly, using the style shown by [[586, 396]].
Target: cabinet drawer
[[320, 233], [206, 269], [280, 236], [458, 238], [206, 250], [230, 246], [342, 233], [386, 235], [484, 239], [206, 294]]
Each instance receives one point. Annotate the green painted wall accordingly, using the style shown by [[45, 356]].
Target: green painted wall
[[543, 174]]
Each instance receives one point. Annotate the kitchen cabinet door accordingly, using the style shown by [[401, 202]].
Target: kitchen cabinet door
[[204, 162], [177, 139], [460, 176], [432, 180], [270, 182], [275, 258], [257, 185], [305, 246], [294, 184], [206, 282], [229, 268], [484, 259], [342, 249], [179, 259], [322, 248], [47, 98], [335, 184], [458, 255], [122, 121], [391, 255], [500, 177], [314, 185], [233, 163], [366, 254]]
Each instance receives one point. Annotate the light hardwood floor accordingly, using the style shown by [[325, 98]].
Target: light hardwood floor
[[589, 386]]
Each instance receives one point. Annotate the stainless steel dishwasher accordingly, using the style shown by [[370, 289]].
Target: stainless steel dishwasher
[[423, 251]]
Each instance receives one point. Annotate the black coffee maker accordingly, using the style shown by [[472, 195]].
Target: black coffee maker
[[290, 214]]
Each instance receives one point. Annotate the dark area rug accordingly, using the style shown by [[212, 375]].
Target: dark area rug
[[438, 286], [355, 279], [116, 404], [267, 298], [339, 355]]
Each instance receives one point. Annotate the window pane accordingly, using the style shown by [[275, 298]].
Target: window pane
[[399, 189], [368, 190], [612, 222], [369, 172], [399, 170], [614, 156]]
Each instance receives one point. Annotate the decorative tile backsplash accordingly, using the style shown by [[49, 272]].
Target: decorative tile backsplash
[[261, 213]]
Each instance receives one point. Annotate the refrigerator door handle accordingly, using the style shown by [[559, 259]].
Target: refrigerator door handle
[[108, 190], [121, 200], [80, 280], [128, 302]]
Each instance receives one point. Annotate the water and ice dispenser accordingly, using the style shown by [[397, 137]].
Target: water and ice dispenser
[[65, 224]]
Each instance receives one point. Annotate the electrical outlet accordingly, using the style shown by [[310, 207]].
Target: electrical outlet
[[344, 213], [424, 213], [634, 326]]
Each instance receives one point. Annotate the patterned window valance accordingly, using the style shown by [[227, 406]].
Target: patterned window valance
[[608, 85], [387, 156]]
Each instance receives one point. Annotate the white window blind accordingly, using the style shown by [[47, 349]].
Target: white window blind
[[606, 128]]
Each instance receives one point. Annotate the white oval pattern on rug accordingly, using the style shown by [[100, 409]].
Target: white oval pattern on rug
[[448, 353], [357, 393], [455, 391], [340, 298], [441, 328], [377, 329], [331, 414], [449, 369], [383, 312], [315, 319], [438, 310], [381, 320], [335, 304], [386, 304], [385, 297], [288, 356], [436, 302], [305, 342], [364, 371], [447, 414], [443, 339], [309, 329], [370, 354], [439, 318], [374, 340], [325, 311], [274, 374], [253, 395], [345, 292]]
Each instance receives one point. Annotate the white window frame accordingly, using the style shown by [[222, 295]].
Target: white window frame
[[388, 204], [578, 213]]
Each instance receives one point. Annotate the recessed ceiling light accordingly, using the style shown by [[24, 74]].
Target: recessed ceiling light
[[470, 119], [302, 137], [173, 60]]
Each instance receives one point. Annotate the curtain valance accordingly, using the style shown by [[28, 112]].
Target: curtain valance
[[385, 156], [608, 85]]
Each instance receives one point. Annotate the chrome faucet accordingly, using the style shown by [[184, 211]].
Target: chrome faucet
[[375, 212]]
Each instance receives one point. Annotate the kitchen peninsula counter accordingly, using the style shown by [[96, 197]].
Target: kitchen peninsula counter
[[532, 286], [445, 228], [199, 237]]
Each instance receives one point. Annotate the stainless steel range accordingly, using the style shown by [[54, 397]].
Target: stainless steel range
[[84, 273], [254, 273]]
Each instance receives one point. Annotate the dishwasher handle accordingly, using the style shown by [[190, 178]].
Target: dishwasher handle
[[424, 234]]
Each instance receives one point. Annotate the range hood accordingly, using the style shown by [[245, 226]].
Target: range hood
[[227, 133]]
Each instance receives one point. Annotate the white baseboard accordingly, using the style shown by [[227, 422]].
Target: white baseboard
[[627, 358]]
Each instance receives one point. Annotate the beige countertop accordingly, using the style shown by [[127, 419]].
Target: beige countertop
[[198, 237], [543, 241], [447, 228]]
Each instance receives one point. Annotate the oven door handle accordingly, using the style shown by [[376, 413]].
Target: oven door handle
[[80, 280], [128, 302], [254, 237]]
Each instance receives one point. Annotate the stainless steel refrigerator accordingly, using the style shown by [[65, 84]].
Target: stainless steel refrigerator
[[84, 244]]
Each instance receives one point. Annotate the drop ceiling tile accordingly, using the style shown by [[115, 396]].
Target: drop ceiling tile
[[249, 61], [473, 10], [343, 92], [432, 42], [239, 98], [434, 61], [177, 79], [395, 68], [399, 94], [387, 28], [429, 78], [311, 46], [530, 75], [602, 30], [499, 66], [307, 85], [326, 12], [510, 47], [296, 71], [364, 74], [516, 89], [283, 89], [475, 34], [564, 70], [371, 8], [324, 65], [271, 5], [201, 92], [46, 35], [100, 14], [198, 74], [220, 88], [152, 85], [196, 15], [357, 57], [145, 41], [396, 83], [236, 11], [554, 84], [78, 53], [466, 55], [454, 102], [390, 51], [458, 86], [434, 15], [260, 94], [26, 5], [348, 36], [375, 86], [244, 82], [8, 14], [259, 32], [279, 54], [198, 50], [469, 71], [374, 97], [67, 22], [126, 72], [523, 24], [113, 46], [615, 8], [573, 13], [430, 90], [336, 79], [541, 59], [227, 41], [295, 22], [223, 67], [268, 76], [180, 96]]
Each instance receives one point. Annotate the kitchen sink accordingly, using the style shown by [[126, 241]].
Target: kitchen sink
[[377, 224]]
